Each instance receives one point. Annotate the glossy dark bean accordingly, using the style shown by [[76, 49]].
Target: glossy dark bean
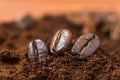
[[37, 50], [60, 40], [85, 45]]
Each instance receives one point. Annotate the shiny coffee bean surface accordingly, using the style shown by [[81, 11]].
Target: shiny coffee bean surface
[[60, 40], [37, 50], [85, 45]]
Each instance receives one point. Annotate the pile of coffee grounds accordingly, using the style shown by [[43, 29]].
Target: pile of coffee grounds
[[104, 64]]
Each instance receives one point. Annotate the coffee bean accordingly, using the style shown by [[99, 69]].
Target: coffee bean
[[60, 40], [37, 51], [110, 21], [115, 32], [85, 45], [75, 18], [24, 22]]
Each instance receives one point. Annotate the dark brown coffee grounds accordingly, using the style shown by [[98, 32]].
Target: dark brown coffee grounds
[[8, 56], [104, 64]]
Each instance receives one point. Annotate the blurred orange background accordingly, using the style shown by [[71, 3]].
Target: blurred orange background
[[12, 9]]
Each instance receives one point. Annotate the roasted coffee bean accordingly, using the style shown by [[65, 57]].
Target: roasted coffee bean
[[60, 40], [24, 22], [110, 21], [85, 45], [37, 51], [75, 18], [82, 21], [115, 32]]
